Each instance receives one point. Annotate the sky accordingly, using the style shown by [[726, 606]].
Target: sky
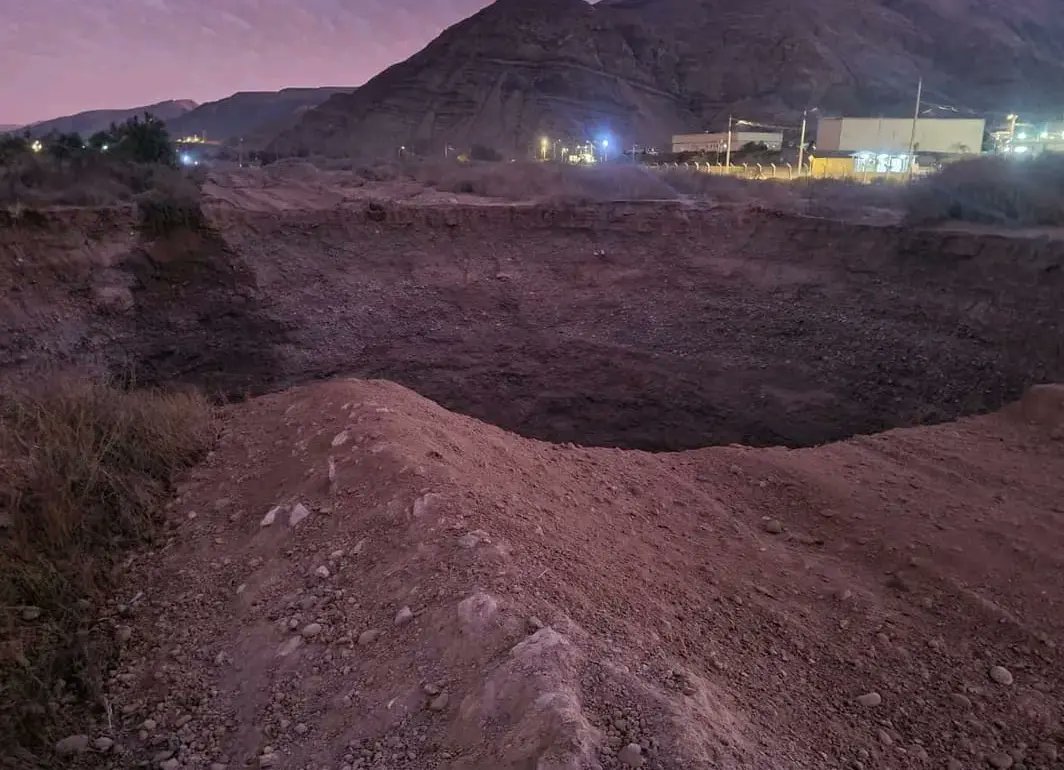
[[58, 57]]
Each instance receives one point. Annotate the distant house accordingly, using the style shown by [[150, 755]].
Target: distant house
[[718, 142]]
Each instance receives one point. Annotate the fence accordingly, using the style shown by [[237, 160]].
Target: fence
[[782, 171]]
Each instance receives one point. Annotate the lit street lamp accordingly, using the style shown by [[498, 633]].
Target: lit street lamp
[[605, 150]]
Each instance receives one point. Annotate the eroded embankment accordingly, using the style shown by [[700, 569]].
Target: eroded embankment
[[643, 325]]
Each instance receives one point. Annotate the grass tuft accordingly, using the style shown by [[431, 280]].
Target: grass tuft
[[84, 471]]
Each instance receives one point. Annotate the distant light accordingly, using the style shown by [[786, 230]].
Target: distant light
[[1044, 135], [106, 147], [37, 145], [605, 142], [1021, 135], [186, 159], [1021, 149]]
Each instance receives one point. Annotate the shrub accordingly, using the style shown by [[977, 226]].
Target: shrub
[[84, 470], [173, 202], [485, 154], [992, 190]]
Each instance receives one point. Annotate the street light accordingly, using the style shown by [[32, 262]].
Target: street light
[[605, 150], [544, 143]]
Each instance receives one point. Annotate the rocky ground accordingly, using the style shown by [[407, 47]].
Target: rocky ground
[[358, 578]]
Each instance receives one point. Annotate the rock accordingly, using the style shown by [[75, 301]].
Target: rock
[[336, 555], [149, 724], [1048, 750], [368, 637], [103, 743], [123, 633], [289, 646], [430, 689], [1001, 675], [773, 526], [72, 744], [954, 764], [884, 737], [219, 766], [870, 699], [1000, 761], [359, 547], [468, 540], [268, 760], [113, 299], [631, 755], [310, 630], [535, 623], [169, 764], [322, 572], [31, 613], [439, 703], [298, 513], [341, 438], [960, 700], [270, 517], [404, 616]]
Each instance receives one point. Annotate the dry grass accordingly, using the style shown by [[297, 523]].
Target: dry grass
[[553, 183], [544, 182], [84, 471], [993, 190]]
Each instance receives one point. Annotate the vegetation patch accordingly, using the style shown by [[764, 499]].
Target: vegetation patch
[[85, 469], [993, 190]]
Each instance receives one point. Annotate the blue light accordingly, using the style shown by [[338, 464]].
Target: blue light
[[186, 159], [605, 142]]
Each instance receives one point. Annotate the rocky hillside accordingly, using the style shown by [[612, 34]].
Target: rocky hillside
[[87, 123], [249, 112], [639, 70], [501, 78]]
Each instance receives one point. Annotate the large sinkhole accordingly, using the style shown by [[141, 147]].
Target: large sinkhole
[[638, 336]]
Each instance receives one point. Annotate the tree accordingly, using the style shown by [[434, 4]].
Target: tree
[[145, 141], [101, 139], [65, 146], [13, 146]]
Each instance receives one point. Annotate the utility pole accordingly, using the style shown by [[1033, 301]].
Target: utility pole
[[727, 157], [801, 143], [912, 137]]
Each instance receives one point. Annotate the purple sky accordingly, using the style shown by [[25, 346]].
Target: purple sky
[[63, 56]]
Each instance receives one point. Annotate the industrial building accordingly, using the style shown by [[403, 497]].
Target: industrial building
[[945, 136], [1031, 139], [718, 142], [862, 147]]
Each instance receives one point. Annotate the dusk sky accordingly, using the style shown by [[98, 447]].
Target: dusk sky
[[59, 57]]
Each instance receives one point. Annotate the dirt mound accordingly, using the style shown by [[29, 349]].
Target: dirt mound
[[359, 579]]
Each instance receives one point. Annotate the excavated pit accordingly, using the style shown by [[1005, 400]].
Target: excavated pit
[[647, 326]]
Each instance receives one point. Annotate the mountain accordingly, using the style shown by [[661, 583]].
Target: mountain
[[87, 123], [249, 112], [7, 129], [515, 70], [641, 70]]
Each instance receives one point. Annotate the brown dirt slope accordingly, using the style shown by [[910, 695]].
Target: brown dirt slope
[[719, 608]]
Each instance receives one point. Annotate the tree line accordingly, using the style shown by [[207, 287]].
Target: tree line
[[138, 140]]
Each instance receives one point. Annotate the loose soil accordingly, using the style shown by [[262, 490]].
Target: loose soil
[[836, 607]]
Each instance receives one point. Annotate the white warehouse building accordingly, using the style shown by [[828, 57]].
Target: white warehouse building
[[948, 136], [718, 142]]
